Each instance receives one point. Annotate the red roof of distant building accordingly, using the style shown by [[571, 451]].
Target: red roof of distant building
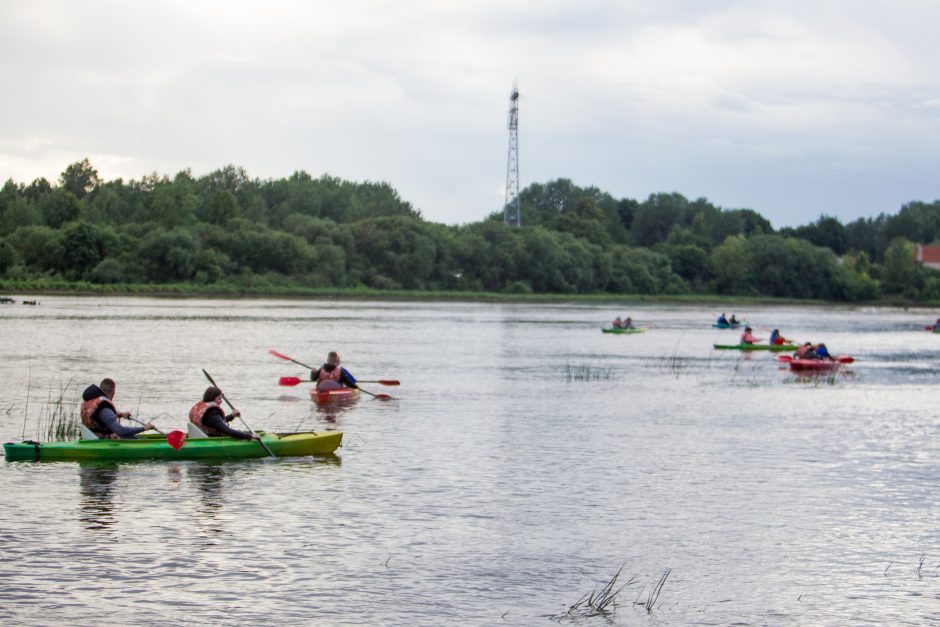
[[927, 254]]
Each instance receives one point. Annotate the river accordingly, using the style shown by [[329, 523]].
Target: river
[[525, 459]]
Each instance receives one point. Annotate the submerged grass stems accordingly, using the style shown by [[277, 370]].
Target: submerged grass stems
[[655, 592], [598, 602], [584, 372]]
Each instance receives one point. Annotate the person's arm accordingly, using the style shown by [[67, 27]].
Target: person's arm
[[110, 420], [314, 374], [347, 379], [216, 420]]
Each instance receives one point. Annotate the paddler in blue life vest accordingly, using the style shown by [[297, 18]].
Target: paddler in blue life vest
[[207, 414], [332, 376], [776, 339], [723, 321], [101, 416], [747, 338]]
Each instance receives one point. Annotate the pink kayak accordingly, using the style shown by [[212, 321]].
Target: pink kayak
[[339, 395]]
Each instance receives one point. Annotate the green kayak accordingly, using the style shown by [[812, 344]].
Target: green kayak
[[622, 330], [774, 348], [154, 446]]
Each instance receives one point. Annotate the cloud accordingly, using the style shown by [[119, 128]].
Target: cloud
[[819, 105]]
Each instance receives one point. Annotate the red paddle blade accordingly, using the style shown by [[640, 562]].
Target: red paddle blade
[[845, 360], [784, 358], [289, 381], [176, 439], [279, 355], [383, 397], [389, 382]]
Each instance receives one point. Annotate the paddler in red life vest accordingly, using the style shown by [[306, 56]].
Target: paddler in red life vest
[[207, 414], [617, 324], [747, 338], [99, 414], [332, 376]]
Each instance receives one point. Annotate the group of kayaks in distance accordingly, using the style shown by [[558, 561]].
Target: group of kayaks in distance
[[806, 356], [208, 434]]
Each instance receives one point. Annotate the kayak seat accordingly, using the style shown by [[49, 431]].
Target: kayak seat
[[192, 431], [86, 433]]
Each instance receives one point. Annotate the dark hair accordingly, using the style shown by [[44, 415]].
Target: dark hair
[[211, 394], [107, 386]]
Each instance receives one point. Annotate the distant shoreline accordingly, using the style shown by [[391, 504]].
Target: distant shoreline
[[62, 288]]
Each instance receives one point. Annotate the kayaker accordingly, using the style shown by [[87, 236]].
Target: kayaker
[[822, 352], [331, 375], [733, 320], [803, 351], [628, 323], [777, 339], [101, 416], [722, 320], [207, 414], [747, 338], [617, 324]]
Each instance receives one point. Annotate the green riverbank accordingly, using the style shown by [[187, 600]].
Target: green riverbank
[[187, 290]]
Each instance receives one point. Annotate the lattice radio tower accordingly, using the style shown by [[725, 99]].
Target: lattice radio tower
[[511, 212]]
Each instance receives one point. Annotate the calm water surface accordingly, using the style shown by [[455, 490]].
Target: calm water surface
[[497, 488]]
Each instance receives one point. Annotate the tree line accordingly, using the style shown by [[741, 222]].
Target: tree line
[[228, 229]]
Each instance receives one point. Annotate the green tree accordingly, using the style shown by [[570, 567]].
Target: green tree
[[219, 209], [80, 178], [87, 245], [168, 256], [40, 247], [899, 272], [8, 256], [19, 212], [731, 264], [655, 218], [58, 207]]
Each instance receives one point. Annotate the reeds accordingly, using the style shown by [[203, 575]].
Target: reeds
[[598, 602], [655, 592], [58, 419]]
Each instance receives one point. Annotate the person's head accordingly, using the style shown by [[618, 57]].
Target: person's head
[[332, 359], [211, 395], [108, 386], [820, 345], [776, 331], [747, 329]]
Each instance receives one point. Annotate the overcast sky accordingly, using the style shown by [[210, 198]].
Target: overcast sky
[[792, 108]]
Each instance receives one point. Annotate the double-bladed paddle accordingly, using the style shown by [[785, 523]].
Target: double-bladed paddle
[[292, 381], [288, 380], [260, 441]]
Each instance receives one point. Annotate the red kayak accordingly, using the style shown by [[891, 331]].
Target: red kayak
[[339, 395], [803, 365]]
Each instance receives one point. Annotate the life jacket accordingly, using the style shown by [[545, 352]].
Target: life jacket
[[89, 414], [197, 412], [332, 375]]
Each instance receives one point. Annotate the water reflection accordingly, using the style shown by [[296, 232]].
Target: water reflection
[[96, 484], [209, 482]]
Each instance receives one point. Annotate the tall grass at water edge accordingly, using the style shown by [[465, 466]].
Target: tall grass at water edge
[[58, 419]]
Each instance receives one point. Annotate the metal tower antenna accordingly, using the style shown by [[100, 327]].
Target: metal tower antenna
[[511, 211]]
